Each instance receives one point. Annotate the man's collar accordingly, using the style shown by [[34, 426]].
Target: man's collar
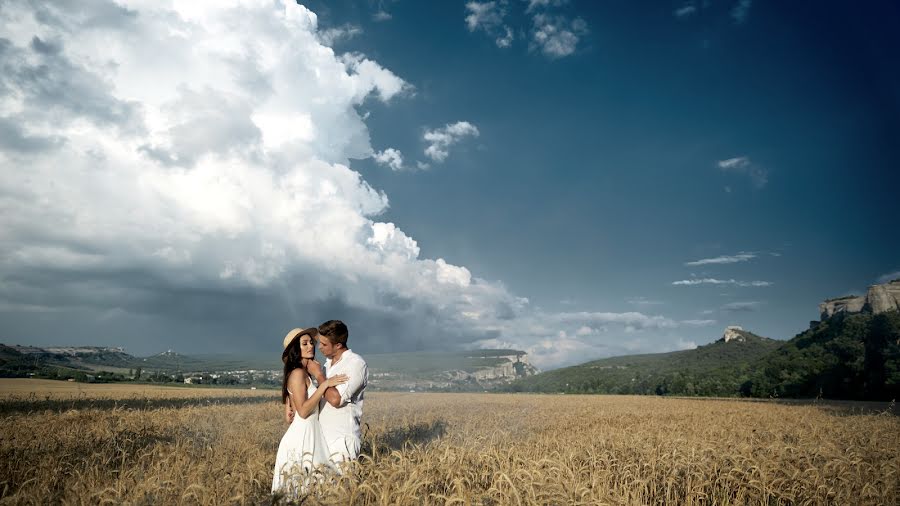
[[344, 354]]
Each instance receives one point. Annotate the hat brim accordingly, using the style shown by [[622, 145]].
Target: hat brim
[[295, 333]]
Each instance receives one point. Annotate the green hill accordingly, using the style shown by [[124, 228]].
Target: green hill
[[853, 356], [847, 356], [716, 369]]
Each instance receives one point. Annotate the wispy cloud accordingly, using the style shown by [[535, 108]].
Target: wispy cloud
[[440, 139], [725, 259], [714, 281], [336, 34], [643, 301], [698, 323], [685, 345], [686, 10], [742, 165], [741, 10], [488, 17], [742, 307], [884, 278], [381, 14], [536, 4]]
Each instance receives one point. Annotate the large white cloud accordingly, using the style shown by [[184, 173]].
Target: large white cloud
[[174, 167]]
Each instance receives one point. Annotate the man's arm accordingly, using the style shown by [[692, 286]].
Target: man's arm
[[340, 395], [333, 397]]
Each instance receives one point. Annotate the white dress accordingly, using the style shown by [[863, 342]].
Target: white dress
[[302, 453]]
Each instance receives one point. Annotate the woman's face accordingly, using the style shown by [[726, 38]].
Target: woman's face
[[307, 347]]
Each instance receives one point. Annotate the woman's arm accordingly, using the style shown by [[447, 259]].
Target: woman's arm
[[303, 406], [331, 395]]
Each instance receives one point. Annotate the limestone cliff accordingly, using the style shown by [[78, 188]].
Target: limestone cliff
[[878, 299], [737, 334], [733, 333]]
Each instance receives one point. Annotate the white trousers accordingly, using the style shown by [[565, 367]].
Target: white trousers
[[344, 448]]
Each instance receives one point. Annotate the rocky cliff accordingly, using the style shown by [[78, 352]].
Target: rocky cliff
[[878, 299], [733, 333], [737, 334]]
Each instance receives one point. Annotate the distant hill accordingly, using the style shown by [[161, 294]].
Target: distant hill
[[453, 370], [447, 370], [172, 361], [716, 369], [20, 360], [72, 357]]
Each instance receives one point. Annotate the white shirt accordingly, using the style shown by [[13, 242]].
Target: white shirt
[[343, 421]]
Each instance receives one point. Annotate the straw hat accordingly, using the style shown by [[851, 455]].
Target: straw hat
[[312, 331]]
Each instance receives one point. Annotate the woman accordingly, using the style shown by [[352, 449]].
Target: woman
[[302, 449]]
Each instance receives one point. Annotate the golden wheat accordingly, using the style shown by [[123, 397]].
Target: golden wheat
[[463, 449]]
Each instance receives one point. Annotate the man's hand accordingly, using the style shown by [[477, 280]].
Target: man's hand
[[288, 413]]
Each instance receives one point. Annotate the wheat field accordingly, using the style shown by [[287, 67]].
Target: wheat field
[[446, 449]]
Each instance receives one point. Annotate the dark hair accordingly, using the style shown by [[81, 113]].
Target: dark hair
[[292, 359], [335, 331]]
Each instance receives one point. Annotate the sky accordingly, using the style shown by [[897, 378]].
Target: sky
[[574, 179]]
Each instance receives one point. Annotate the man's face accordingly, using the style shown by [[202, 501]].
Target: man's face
[[326, 347]]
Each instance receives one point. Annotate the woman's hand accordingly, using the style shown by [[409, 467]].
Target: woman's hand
[[313, 367], [336, 380]]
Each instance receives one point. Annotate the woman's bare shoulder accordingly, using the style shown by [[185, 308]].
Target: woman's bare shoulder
[[297, 375]]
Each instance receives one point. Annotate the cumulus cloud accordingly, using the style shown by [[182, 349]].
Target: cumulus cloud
[[488, 17], [191, 187], [725, 259], [390, 157], [184, 174], [758, 175], [441, 139], [714, 281], [557, 36]]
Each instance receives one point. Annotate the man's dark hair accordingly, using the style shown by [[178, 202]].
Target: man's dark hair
[[335, 331]]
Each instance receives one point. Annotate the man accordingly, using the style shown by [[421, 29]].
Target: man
[[342, 406]]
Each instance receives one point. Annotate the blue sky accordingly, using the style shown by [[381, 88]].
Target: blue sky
[[576, 179]]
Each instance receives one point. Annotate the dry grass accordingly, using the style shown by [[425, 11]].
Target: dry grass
[[465, 449], [17, 388]]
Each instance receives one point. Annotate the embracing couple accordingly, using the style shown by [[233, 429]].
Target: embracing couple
[[322, 405]]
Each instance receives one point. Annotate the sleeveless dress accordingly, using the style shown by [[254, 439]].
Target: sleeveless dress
[[302, 453]]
